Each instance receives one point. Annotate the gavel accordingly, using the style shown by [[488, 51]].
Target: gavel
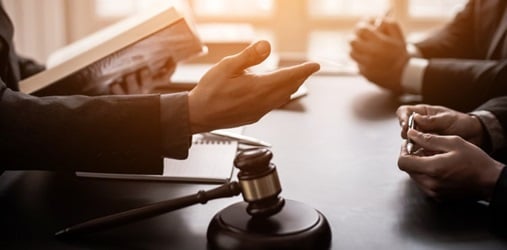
[[258, 183], [264, 220]]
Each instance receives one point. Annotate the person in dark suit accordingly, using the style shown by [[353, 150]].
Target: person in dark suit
[[453, 158], [130, 133], [461, 66]]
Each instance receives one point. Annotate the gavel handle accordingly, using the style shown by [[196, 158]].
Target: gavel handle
[[227, 190]]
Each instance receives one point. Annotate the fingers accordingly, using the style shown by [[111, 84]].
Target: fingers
[[363, 58], [292, 76], [368, 41], [403, 112], [132, 83], [426, 183], [252, 55], [126, 85], [433, 142], [423, 113], [392, 29], [418, 164], [115, 88], [437, 123]]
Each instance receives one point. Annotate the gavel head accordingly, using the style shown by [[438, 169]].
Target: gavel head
[[259, 182]]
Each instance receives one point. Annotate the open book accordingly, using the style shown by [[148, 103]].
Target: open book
[[210, 159], [147, 40]]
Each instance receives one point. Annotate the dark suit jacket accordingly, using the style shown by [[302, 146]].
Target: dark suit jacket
[[498, 205], [468, 57], [102, 133]]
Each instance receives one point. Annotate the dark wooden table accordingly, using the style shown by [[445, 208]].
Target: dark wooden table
[[336, 150]]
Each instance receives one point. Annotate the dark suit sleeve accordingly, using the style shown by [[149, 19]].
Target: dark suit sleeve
[[454, 40], [497, 106], [463, 84], [468, 79], [107, 134], [498, 205]]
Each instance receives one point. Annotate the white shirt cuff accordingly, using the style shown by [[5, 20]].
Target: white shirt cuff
[[413, 51], [412, 75]]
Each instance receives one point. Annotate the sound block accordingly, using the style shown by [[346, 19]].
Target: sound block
[[296, 226]]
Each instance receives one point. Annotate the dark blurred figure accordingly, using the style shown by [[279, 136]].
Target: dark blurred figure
[[461, 66]]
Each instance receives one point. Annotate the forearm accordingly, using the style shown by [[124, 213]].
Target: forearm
[[498, 205], [491, 133], [106, 134], [463, 84], [176, 132]]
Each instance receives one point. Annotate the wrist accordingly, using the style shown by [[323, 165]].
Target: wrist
[[412, 75], [194, 115], [489, 179], [477, 132]]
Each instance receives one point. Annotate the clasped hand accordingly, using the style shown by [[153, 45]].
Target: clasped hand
[[449, 163], [380, 53]]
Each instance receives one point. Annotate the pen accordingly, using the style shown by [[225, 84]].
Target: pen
[[241, 138], [411, 125], [379, 19]]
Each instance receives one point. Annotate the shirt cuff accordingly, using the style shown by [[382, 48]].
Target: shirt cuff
[[493, 129], [412, 75], [175, 125], [413, 51]]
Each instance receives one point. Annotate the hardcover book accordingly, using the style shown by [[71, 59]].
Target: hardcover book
[[90, 65]]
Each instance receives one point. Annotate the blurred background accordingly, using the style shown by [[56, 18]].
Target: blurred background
[[310, 28]]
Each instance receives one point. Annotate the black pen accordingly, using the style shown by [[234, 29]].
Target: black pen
[[411, 125]]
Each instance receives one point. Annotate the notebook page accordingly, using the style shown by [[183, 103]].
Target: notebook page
[[210, 159]]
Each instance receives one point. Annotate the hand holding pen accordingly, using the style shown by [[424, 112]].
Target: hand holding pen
[[380, 19], [380, 51]]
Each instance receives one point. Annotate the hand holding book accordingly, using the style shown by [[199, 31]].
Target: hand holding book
[[144, 80]]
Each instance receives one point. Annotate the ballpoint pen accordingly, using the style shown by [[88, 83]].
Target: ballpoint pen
[[379, 19], [241, 138], [411, 125]]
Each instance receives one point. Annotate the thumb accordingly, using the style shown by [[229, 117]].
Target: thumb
[[250, 56], [393, 30], [433, 123], [432, 142]]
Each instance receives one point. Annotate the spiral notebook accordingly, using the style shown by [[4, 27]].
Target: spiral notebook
[[210, 160]]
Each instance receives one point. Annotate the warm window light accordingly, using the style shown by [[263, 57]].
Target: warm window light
[[347, 7], [435, 8], [233, 7], [116, 8]]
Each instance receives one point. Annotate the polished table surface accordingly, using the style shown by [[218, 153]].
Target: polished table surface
[[335, 150]]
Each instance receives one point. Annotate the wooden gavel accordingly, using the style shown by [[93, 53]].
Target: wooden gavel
[[258, 182]]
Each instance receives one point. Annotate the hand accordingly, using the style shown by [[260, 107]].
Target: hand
[[229, 96], [457, 169], [380, 53], [145, 80], [443, 121]]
